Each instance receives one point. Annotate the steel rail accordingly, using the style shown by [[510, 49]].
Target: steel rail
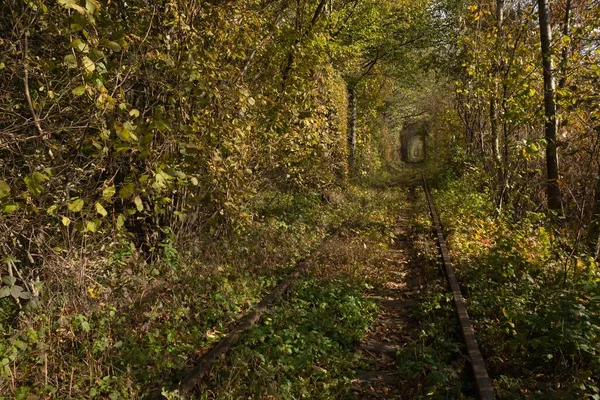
[[482, 379], [203, 366]]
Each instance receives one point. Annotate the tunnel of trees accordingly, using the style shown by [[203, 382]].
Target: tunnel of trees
[[413, 148], [163, 163]]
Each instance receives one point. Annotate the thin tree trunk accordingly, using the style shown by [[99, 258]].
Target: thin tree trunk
[[352, 126], [593, 233], [565, 50], [494, 128], [291, 56], [551, 123], [494, 98]]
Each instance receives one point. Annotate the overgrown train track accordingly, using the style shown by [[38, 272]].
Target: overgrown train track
[[193, 379], [202, 367], [204, 364], [482, 380]]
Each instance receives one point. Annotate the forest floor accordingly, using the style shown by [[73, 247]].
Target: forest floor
[[398, 282], [371, 319]]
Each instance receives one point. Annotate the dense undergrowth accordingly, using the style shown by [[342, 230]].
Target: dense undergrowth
[[164, 164], [139, 324], [533, 299], [306, 346], [97, 347], [303, 349]]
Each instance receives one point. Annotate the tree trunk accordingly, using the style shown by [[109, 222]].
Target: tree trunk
[[593, 234], [493, 99], [352, 126], [494, 128], [551, 123], [564, 58]]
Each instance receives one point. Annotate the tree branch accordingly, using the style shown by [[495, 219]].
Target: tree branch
[[36, 118]]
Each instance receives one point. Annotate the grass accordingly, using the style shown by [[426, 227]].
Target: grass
[[533, 303], [116, 327], [119, 328], [306, 346]]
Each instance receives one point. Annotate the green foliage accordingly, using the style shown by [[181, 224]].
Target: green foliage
[[134, 315], [534, 305], [163, 165], [166, 124], [131, 128], [304, 347]]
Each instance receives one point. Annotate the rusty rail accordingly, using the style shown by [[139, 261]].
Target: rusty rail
[[204, 364], [482, 379]]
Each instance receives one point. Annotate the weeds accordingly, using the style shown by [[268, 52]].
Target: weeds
[[303, 349], [120, 328], [534, 305]]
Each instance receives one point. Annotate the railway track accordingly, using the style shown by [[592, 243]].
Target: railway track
[[192, 380], [204, 364], [482, 379]]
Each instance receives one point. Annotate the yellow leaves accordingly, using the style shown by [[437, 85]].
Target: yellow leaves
[[127, 190], [80, 45], [114, 46], [88, 64], [120, 221], [73, 5], [91, 6], [70, 61], [108, 192], [34, 183], [531, 150], [66, 221], [101, 210], [4, 189], [10, 208], [78, 91], [161, 178], [138, 203], [94, 292], [76, 205], [105, 101], [92, 226], [125, 131]]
